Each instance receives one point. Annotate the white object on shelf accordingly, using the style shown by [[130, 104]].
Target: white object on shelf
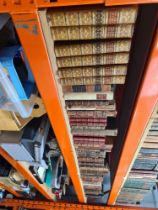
[[9, 99]]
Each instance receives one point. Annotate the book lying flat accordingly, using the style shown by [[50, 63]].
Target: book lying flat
[[88, 114], [86, 88], [92, 60], [89, 132], [92, 15], [89, 96], [102, 71], [92, 48], [109, 80], [90, 32]]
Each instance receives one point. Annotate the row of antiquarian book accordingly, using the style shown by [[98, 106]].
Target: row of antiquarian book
[[143, 176], [92, 48]]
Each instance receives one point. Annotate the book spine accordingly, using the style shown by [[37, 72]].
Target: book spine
[[139, 184], [86, 88], [94, 171], [90, 119], [85, 124], [116, 70], [93, 192], [93, 147], [89, 132], [89, 143], [92, 48], [99, 127], [107, 106], [148, 151], [150, 145], [91, 154], [151, 139], [89, 138], [91, 164], [93, 60], [144, 164], [93, 16], [89, 96], [91, 160], [93, 80], [88, 123], [91, 32], [87, 114], [95, 188], [92, 184]]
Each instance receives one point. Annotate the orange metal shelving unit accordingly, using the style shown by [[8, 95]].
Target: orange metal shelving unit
[[25, 13]]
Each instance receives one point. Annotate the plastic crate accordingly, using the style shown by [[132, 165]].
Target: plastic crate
[[13, 59], [9, 99]]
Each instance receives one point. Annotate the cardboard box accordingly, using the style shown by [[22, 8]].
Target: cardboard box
[[10, 121]]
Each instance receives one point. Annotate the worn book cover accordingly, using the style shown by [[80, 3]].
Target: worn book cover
[[87, 88], [109, 95], [91, 48], [112, 70], [94, 132], [93, 15], [96, 105], [93, 60], [93, 80], [87, 114], [91, 32]]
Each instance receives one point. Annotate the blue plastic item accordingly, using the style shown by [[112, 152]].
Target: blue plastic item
[[9, 99], [11, 58]]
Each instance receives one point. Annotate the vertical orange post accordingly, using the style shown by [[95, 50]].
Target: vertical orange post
[[145, 104], [30, 33]]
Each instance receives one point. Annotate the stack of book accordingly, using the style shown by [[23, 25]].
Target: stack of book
[[92, 48], [143, 177]]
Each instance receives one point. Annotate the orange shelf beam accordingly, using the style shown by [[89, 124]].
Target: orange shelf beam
[[127, 2], [30, 34], [10, 190], [62, 206], [43, 4], [144, 107], [10, 6], [27, 175]]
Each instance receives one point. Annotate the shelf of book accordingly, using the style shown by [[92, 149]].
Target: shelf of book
[[144, 107]]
